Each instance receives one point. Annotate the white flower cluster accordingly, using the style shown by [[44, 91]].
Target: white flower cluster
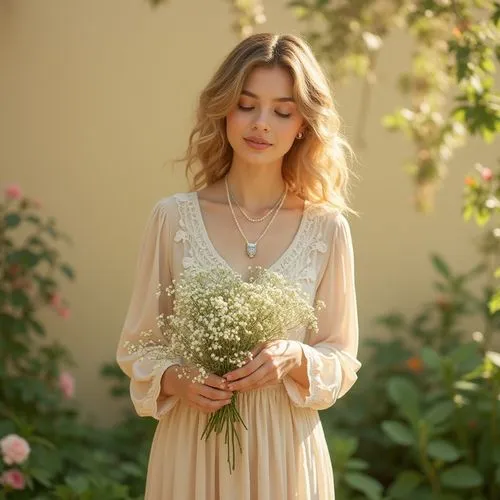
[[218, 318]]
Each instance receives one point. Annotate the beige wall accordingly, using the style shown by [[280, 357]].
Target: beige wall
[[95, 97]]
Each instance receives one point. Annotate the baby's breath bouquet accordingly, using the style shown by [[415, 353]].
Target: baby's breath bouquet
[[217, 319]]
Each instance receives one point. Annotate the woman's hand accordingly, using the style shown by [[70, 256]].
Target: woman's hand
[[207, 397], [271, 362]]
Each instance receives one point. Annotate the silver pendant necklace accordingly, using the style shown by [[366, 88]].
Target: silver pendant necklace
[[259, 219], [251, 248]]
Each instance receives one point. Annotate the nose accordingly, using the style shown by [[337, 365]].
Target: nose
[[261, 122]]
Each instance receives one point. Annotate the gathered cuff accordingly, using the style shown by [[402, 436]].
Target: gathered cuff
[[330, 376], [155, 404]]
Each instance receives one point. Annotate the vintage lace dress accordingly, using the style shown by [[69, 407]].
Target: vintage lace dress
[[285, 455]]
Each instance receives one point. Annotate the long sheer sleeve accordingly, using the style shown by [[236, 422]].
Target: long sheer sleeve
[[153, 268], [331, 357]]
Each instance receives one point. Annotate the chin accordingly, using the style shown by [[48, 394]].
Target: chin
[[257, 157]]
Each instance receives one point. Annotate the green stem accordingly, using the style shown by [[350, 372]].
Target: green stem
[[494, 431], [225, 419], [426, 464]]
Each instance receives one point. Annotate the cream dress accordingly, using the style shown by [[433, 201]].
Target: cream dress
[[285, 455]]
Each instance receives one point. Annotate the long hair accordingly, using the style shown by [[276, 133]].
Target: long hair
[[315, 168]]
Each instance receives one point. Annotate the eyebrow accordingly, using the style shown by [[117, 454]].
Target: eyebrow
[[278, 99]]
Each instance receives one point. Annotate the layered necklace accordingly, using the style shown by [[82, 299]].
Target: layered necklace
[[251, 248]]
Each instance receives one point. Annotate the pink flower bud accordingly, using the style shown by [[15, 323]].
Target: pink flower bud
[[13, 478], [487, 174], [15, 449], [55, 299], [67, 384], [64, 312], [13, 192]]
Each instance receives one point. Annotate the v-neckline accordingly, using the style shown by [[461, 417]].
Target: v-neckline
[[223, 261]]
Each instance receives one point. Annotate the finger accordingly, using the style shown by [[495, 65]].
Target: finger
[[214, 394], [256, 350], [244, 371], [207, 405], [261, 383], [216, 381], [246, 382]]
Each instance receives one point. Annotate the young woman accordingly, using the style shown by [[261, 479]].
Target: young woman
[[269, 191]]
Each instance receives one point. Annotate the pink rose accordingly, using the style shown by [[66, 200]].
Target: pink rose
[[13, 478], [67, 384], [487, 174], [13, 192], [15, 449]]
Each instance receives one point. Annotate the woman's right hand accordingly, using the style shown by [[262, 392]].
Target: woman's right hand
[[207, 397]]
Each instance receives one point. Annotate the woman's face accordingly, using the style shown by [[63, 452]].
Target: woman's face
[[264, 123]]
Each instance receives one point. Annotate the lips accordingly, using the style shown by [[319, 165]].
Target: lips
[[258, 140], [257, 143]]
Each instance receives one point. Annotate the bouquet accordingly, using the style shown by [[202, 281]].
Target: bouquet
[[216, 321]]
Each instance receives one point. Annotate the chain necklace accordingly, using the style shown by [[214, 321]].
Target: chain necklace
[[260, 219], [251, 248]]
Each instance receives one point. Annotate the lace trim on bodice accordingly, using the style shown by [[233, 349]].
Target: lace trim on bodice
[[297, 261]]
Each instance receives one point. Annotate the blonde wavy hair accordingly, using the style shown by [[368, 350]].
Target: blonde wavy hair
[[315, 168]]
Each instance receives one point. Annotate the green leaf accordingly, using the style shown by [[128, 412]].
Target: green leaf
[[12, 220], [356, 464], [441, 266], [33, 218], [464, 353], [494, 304], [68, 271], [430, 358], [364, 483], [465, 385], [398, 432], [42, 476], [461, 476], [405, 395], [132, 469], [442, 450], [494, 357], [439, 412], [19, 298], [77, 483], [405, 484], [37, 326]]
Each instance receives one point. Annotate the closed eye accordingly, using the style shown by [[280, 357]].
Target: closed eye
[[250, 108]]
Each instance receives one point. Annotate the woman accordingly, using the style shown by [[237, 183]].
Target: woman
[[270, 192]]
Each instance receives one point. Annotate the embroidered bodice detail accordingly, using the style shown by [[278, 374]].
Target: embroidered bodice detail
[[298, 262]]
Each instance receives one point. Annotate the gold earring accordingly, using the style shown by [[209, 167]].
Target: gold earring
[[300, 135]]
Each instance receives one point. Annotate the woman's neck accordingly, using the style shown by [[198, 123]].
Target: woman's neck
[[256, 187]]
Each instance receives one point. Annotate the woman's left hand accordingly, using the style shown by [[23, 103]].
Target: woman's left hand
[[271, 362]]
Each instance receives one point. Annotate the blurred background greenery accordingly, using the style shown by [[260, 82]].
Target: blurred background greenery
[[423, 421]]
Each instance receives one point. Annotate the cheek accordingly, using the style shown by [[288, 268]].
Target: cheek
[[235, 122], [290, 129]]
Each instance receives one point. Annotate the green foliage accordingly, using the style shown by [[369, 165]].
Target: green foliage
[[451, 82], [424, 417], [68, 458]]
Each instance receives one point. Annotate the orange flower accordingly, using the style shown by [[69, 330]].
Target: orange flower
[[470, 181], [415, 364]]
